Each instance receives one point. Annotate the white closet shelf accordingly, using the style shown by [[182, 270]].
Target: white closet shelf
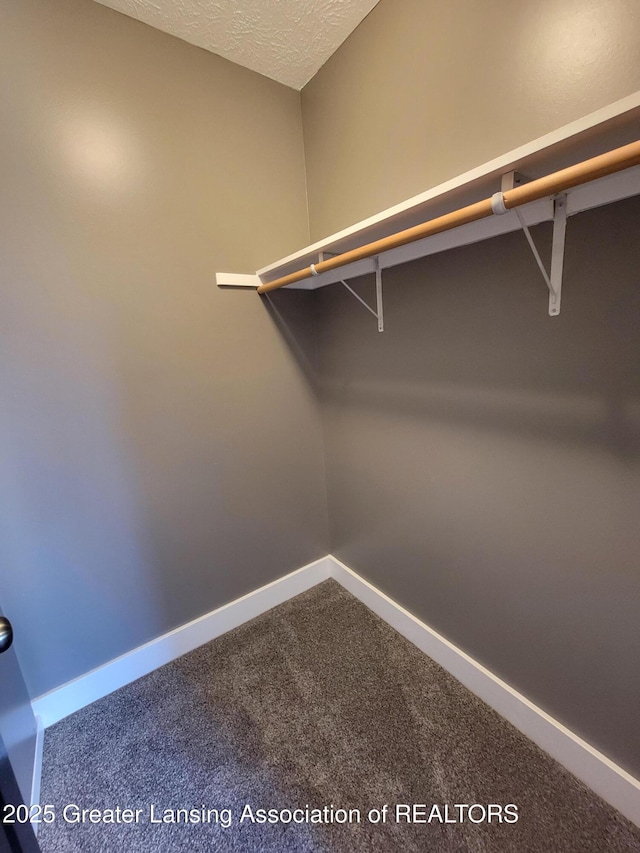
[[611, 127]]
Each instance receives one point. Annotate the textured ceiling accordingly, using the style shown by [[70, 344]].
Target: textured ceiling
[[287, 40]]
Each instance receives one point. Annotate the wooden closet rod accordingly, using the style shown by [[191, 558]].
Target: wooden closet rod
[[556, 182]]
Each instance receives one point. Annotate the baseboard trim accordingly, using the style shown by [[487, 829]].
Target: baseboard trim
[[82, 691], [37, 767], [607, 779]]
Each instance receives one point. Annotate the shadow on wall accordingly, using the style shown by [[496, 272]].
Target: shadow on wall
[[294, 314], [468, 339]]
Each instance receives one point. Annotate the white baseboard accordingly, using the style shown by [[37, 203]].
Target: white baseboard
[[37, 767], [612, 783], [82, 691]]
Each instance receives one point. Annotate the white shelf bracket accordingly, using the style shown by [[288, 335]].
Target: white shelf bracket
[[379, 313], [553, 280], [557, 252], [379, 304]]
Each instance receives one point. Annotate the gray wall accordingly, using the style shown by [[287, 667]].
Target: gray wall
[[145, 475], [483, 461], [424, 90], [483, 458]]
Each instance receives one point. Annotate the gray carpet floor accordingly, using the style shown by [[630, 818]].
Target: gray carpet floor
[[317, 703]]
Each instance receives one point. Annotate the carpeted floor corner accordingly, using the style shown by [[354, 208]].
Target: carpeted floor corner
[[317, 703]]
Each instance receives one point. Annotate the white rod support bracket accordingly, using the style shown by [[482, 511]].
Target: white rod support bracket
[[513, 179], [379, 304], [554, 279], [379, 313], [557, 253]]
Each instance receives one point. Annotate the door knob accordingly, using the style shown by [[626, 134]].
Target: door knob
[[6, 634]]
